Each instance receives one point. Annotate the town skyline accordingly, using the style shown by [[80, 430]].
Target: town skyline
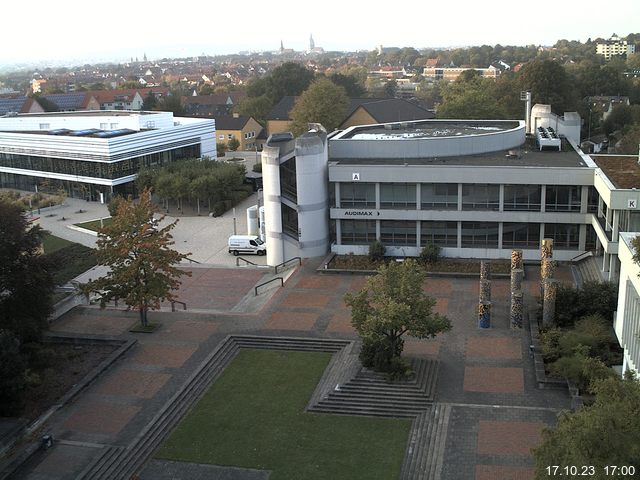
[[204, 31]]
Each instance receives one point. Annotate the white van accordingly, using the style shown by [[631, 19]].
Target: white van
[[246, 244]]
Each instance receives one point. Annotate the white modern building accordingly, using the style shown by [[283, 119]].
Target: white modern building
[[89, 153], [627, 321]]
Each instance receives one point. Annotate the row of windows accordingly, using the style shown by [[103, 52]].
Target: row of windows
[[444, 196], [445, 234], [85, 168]]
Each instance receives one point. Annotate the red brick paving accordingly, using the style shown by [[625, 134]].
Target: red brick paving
[[442, 306], [216, 288], [95, 325], [292, 321], [101, 418], [438, 286], [170, 356], [501, 472], [493, 379], [508, 438], [303, 299], [357, 283], [133, 383], [494, 347], [186, 331], [61, 462], [340, 322], [323, 282], [427, 347]]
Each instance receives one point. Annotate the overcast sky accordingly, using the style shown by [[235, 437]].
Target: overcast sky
[[39, 30]]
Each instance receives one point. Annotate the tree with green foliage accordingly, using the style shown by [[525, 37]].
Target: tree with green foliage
[[13, 371], [469, 97], [233, 144], [171, 103], [323, 102], [600, 435], [26, 284], [574, 303], [149, 102], [288, 79], [256, 107], [142, 264], [391, 304], [549, 84], [351, 85], [221, 148]]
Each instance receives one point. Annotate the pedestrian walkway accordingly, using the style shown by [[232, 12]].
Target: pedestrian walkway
[[488, 410]]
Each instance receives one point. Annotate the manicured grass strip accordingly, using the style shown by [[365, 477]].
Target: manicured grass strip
[[253, 417], [94, 225], [68, 259], [51, 243]]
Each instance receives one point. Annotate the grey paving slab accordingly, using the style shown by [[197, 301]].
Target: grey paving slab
[[169, 470]]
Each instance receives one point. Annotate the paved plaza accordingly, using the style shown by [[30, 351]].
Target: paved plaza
[[486, 377]]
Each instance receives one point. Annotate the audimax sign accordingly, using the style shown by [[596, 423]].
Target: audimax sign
[[361, 213]]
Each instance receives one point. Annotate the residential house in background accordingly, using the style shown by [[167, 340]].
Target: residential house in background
[[11, 105], [119, 99], [452, 73], [614, 46], [72, 102], [244, 129], [211, 106], [361, 111]]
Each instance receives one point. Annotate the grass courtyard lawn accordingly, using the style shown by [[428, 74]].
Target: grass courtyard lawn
[[68, 259], [51, 243], [253, 417], [94, 225]]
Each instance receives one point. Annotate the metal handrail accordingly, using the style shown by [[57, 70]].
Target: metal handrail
[[244, 260], [581, 256], [192, 260], [287, 261], [265, 283], [173, 305]]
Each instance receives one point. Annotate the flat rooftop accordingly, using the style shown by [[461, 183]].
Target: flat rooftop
[[622, 170], [427, 129], [528, 155], [86, 113]]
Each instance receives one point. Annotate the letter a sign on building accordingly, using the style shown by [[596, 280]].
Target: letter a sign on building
[[355, 177]]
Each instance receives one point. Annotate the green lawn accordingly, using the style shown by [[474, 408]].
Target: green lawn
[[253, 417], [94, 225], [51, 243], [68, 259]]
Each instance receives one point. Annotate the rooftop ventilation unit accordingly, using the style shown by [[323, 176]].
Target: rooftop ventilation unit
[[547, 137]]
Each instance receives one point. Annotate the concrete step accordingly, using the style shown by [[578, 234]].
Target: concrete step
[[369, 411]]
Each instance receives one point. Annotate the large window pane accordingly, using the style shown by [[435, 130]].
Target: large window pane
[[357, 195], [520, 235], [522, 198], [563, 198], [444, 234], [480, 234], [592, 200], [439, 196], [398, 195], [288, 180], [289, 221], [358, 232], [565, 235], [480, 196], [398, 232]]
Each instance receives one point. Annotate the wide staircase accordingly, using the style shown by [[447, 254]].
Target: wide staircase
[[588, 269], [370, 393]]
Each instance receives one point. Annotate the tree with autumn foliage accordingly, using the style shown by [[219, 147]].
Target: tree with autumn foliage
[[137, 250]]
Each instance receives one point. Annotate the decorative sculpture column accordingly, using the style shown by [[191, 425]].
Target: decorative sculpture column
[[516, 259], [549, 302], [546, 254], [517, 309], [516, 279], [484, 304], [484, 315]]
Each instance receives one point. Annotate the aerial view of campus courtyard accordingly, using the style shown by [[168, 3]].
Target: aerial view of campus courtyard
[[235, 249]]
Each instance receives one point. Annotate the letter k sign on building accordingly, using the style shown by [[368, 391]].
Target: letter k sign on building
[[355, 177]]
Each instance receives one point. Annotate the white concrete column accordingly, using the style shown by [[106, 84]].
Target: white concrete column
[[609, 220], [584, 199], [543, 199], [378, 230], [459, 234], [501, 199], [418, 233], [613, 268], [605, 262], [500, 231], [272, 205], [615, 220], [337, 194], [418, 198], [582, 237], [378, 199], [459, 203], [338, 232]]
